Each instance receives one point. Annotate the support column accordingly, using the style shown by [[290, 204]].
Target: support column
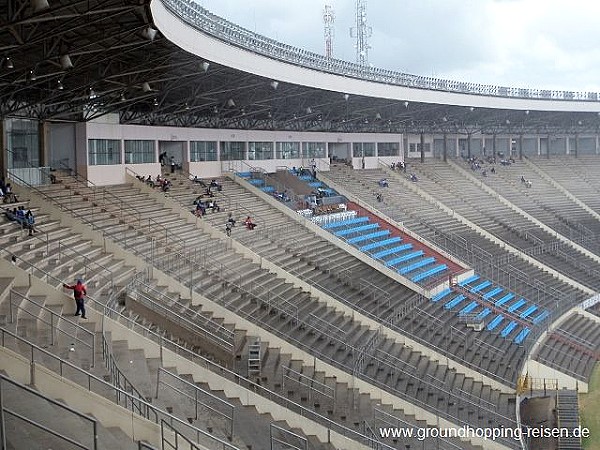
[[45, 156], [469, 145], [521, 147], [597, 143], [548, 148], [422, 147], [494, 145], [4, 154], [576, 145], [445, 154]]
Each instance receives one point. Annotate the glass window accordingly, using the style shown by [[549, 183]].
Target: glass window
[[288, 150], [388, 149], [314, 149], [415, 147], [260, 150], [231, 151], [22, 139], [104, 152], [363, 149], [139, 152], [203, 151]]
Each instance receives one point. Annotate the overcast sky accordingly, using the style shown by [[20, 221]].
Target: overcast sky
[[550, 44]]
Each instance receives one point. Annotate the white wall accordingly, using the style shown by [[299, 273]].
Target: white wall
[[174, 136]]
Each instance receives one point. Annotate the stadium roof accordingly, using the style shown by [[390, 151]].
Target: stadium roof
[[69, 60]]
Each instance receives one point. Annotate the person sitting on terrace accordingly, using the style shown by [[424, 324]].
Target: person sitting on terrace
[[230, 219], [528, 184], [200, 209], [523, 180], [214, 184], [11, 215], [294, 171], [213, 205], [149, 181], [208, 192], [493, 170], [383, 182], [249, 224], [29, 222], [379, 197], [484, 173], [413, 178], [9, 195], [20, 215], [166, 185], [393, 166]]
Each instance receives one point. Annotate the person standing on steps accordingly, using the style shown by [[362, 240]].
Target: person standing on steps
[[79, 292]]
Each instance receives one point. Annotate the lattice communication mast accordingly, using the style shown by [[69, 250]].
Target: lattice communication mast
[[362, 32], [328, 19]]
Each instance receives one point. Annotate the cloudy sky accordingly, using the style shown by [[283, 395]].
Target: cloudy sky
[[550, 44]]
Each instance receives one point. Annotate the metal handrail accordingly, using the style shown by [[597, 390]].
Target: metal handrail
[[52, 323], [157, 413], [197, 390], [193, 326], [200, 18], [3, 409]]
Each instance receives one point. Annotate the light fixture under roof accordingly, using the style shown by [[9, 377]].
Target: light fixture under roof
[[346, 97], [155, 102], [309, 110], [274, 84], [8, 63], [32, 76], [39, 5], [123, 98], [146, 86], [60, 86], [65, 62], [230, 103], [204, 66], [150, 33], [406, 104]]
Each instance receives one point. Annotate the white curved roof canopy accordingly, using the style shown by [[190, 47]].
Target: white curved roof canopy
[[174, 18]]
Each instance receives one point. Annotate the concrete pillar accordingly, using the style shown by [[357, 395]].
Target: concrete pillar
[[521, 147], [43, 131], [548, 148], [4, 154], [576, 145], [422, 147], [494, 145], [445, 153], [469, 145]]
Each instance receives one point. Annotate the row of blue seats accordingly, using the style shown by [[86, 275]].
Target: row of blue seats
[[367, 231], [492, 296], [482, 315]]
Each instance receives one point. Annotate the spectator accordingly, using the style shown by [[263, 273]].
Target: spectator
[[379, 197], [413, 178], [162, 158], [230, 219], [383, 182], [79, 291], [249, 224], [228, 228], [214, 184], [29, 222], [9, 195], [172, 164]]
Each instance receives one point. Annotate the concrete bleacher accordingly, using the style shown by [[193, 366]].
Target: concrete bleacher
[[309, 256], [267, 320], [573, 347], [444, 182], [218, 217]]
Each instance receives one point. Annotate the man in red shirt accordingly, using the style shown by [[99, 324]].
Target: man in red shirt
[[78, 292]]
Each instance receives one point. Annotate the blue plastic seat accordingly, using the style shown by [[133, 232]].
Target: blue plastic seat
[[404, 258], [529, 311], [516, 305], [492, 293], [391, 251], [416, 265], [522, 335], [467, 309], [379, 244], [359, 229], [508, 297], [429, 273], [469, 280], [455, 301], [481, 286], [540, 317], [495, 322], [508, 329], [367, 237], [344, 223], [440, 295]]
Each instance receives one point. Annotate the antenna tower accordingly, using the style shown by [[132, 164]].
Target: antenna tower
[[328, 19], [362, 32]]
